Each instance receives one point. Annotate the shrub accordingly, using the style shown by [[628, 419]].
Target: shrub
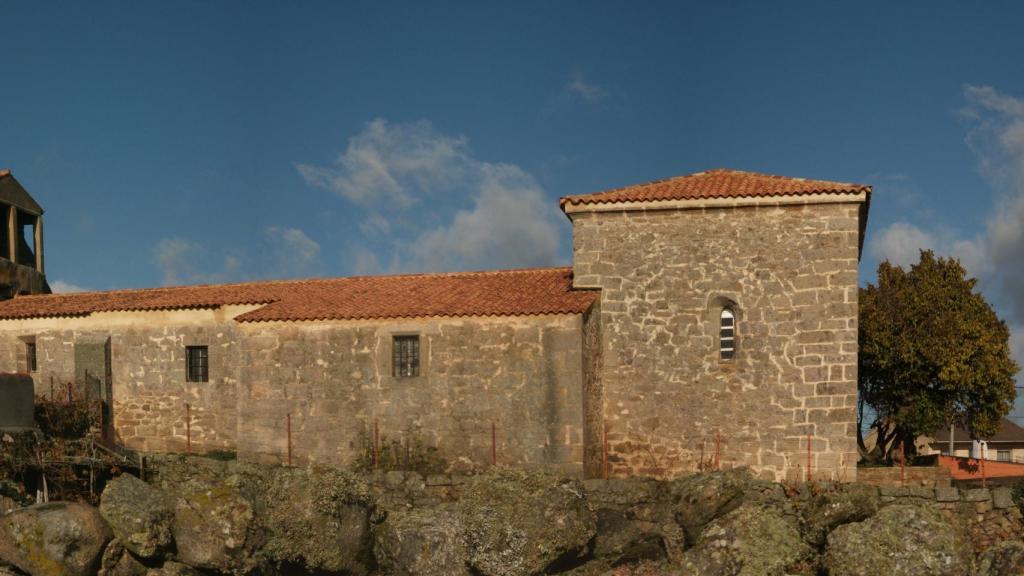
[[407, 453]]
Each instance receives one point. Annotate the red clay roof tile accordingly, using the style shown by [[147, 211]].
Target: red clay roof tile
[[716, 184], [497, 293]]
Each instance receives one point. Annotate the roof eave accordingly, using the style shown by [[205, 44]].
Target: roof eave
[[572, 205]]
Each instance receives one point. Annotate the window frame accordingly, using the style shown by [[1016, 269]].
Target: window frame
[[31, 356], [407, 355], [198, 357], [727, 353]]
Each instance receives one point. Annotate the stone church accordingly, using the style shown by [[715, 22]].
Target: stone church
[[707, 319]]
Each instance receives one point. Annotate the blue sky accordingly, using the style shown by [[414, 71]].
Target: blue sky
[[212, 141]]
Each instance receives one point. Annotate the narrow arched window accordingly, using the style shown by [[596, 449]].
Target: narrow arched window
[[727, 334]]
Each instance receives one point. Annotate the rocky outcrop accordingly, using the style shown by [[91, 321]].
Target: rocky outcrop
[[318, 519], [899, 540], [421, 542], [213, 524], [700, 498], [751, 540], [235, 517], [174, 569], [139, 515], [634, 522], [56, 539], [1003, 559], [240, 519], [117, 561], [826, 508], [519, 522]]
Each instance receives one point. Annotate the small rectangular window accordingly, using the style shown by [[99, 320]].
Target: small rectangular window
[[406, 356], [1003, 455], [197, 363], [30, 356]]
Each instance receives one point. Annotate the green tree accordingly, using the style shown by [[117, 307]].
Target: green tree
[[932, 352]]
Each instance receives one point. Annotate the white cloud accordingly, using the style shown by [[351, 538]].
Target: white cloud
[[996, 135], [901, 243], [510, 225], [578, 87], [173, 258], [389, 163], [62, 287], [183, 261], [406, 175], [294, 253]]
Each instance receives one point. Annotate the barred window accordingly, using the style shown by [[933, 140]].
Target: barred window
[[406, 359], [197, 364], [30, 356], [727, 334]]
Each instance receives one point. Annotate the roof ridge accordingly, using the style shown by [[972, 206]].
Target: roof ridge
[[277, 281], [608, 195], [4, 172]]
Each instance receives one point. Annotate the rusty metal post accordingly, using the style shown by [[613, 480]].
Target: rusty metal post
[[718, 450], [494, 445], [604, 452], [289, 438], [68, 386], [903, 465], [188, 428], [376, 443], [809, 462]]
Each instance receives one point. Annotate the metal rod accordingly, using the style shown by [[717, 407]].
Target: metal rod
[[494, 445], [289, 439], [604, 452], [808, 457], [188, 428], [903, 465], [718, 450], [376, 443]]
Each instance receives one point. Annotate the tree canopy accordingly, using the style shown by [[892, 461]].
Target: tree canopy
[[933, 352]]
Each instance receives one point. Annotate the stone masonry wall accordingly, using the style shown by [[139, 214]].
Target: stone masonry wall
[[522, 374], [790, 273], [148, 381]]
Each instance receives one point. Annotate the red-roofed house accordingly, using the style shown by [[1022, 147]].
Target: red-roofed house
[[717, 309]]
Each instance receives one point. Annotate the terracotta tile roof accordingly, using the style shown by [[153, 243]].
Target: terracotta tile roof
[[497, 293], [716, 184]]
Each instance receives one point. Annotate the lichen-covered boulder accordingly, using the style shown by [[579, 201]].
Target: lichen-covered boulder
[[520, 522], [421, 542], [318, 519], [1003, 559], [623, 538], [139, 514], [823, 512], [117, 561], [751, 540], [899, 540], [213, 524], [55, 539], [174, 569], [698, 499]]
